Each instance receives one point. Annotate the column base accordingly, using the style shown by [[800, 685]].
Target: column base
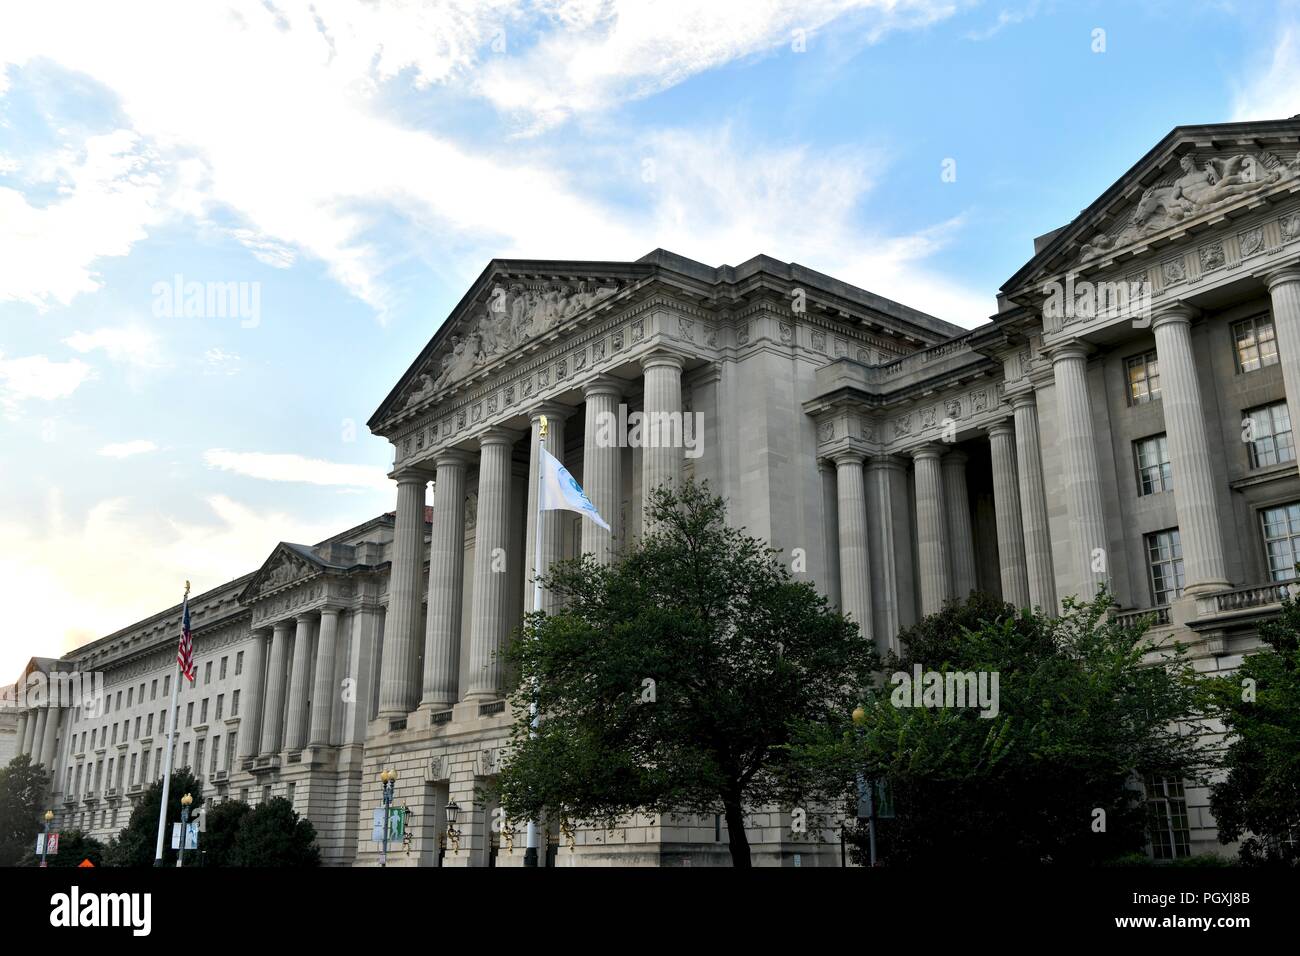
[[1201, 588]]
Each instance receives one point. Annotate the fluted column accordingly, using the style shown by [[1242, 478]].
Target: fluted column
[[52, 721], [961, 541], [489, 624], [1006, 511], [881, 507], [323, 690], [20, 733], [931, 529], [397, 690], [661, 435], [602, 459], [830, 530], [250, 724], [1081, 472], [29, 739], [1189, 453], [552, 524], [855, 562], [273, 709], [38, 738], [446, 582], [1033, 505], [1284, 288], [295, 736]]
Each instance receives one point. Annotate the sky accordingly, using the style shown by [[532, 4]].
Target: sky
[[344, 170]]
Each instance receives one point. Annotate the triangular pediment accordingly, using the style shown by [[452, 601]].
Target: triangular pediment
[[1192, 175], [287, 564], [512, 304]]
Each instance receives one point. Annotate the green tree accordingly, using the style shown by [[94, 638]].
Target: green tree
[[1082, 715], [1258, 801], [223, 824], [74, 846], [273, 834], [136, 844], [23, 786], [674, 679]]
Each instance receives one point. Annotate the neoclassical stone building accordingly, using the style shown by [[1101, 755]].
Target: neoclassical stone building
[[1124, 417]]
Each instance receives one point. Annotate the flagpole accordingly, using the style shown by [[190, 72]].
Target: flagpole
[[167, 764], [530, 852]]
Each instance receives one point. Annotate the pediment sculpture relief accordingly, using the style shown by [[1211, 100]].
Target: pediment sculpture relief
[[510, 317], [286, 570], [1201, 186]]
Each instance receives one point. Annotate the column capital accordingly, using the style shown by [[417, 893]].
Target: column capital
[[955, 458], [1003, 426], [1025, 399], [847, 456], [334, 609], [1179, 312], [283, 626], [410, 475], [886, 463], [1281, 275], [499, 435], [452, 456], [603, 385], [1070, 351], [661, 358], [552, 410], [311, 615], [931, 450]]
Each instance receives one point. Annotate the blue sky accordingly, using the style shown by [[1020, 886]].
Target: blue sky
[[358, 164]]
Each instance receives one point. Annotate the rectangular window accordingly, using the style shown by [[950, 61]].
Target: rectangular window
[[1267, 433], [207, 673], [167, 689], [1282, 540], [148, 730], [1165, 560], [1143, 374], [230, 755], [137, 729], [239, 663], [1167, 818], [153, 693], [234, 704], [221, 704], [130, 697], [118, 705], [1254, 343], [144, 765], [189, 720], [216, 748], [198, 757], [224, 660], [1153, 470], [185, 759], [203, 711], [135, 758], [158, 763]]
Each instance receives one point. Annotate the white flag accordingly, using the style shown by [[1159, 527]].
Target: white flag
[[560, 492]]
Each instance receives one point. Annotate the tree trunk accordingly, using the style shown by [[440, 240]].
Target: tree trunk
[[737, 841]]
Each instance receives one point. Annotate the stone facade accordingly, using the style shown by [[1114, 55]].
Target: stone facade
[[1122, 419]]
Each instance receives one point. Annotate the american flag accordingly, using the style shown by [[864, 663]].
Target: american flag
[[185, 653]]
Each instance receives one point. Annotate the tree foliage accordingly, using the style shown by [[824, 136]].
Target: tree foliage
[[136, 844], [675, 678], [1258, 801], [23, 786], [223, 823], [1082, 716], [272, 834]]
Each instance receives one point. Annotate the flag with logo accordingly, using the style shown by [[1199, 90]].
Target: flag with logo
[[185, 652], [561, 492]]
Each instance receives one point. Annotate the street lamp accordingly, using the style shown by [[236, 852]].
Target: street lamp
[[453, 835], [388, 778], [186, 802], [45, 844], [865, 793]]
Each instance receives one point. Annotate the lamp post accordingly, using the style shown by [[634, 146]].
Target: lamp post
[[388, 778], [864, 793], [45, 844], [186, 802], [453, 835]]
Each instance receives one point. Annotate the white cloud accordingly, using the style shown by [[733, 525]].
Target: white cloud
[[130, 345], [76, 587], [125, 449], [318, 185], [106, 197], [1275, 92], [286, 467], [37, 377], [218, 361]]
